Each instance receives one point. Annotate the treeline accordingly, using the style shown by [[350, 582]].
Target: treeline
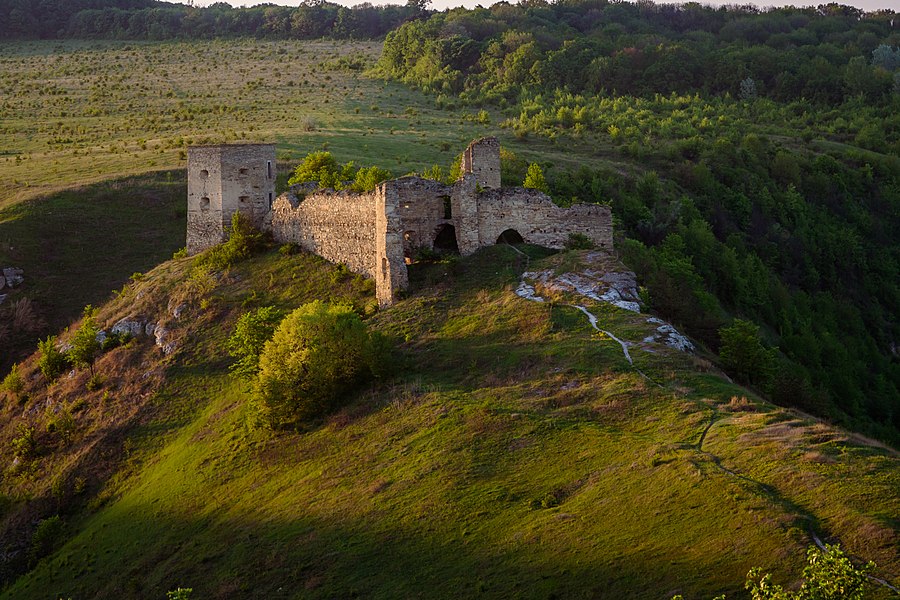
[[152, 20], [765, 184], [493, 54]]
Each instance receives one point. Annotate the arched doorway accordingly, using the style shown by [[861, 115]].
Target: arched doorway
[[510, 236], [445, 239]]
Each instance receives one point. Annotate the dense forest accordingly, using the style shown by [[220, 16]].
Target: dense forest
[[152, 20], [764, 182]]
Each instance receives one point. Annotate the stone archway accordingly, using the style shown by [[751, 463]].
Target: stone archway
[[510, 236], [445, 239]]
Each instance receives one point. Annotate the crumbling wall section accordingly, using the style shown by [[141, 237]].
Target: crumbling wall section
[[538, 220], [204, 210], [392, 274], [465, 212], [338, 226], [248, 181], [423, 205], [482, 159]]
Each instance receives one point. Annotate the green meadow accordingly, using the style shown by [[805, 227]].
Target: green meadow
[[74, 113], [513, 452]]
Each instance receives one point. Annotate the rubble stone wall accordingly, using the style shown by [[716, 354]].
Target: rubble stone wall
[[538, 220], [423, 205], [338, 226], [482, 159], [376, 233]]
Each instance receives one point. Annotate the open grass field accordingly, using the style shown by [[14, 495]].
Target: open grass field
[[73, 113], [514, 453], [77, 112]]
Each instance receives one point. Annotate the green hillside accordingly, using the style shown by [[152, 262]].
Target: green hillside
[[514, 452]]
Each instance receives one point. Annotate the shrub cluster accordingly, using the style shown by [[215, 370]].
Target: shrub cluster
[[303, 367]]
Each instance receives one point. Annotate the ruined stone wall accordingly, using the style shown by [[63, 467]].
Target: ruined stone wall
[[374, 233], [538, 220], [224, 179], [392, 274], [338, 226], [482, 159], [204, 216], [424, 205], [248, 180]]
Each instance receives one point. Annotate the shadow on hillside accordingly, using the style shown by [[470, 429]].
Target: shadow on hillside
[[136, 552], [77, 246]]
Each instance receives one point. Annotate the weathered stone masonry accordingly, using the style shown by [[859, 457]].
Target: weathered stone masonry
[[377, 233], [224, 179]]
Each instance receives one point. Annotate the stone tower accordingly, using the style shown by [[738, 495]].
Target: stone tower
[[225, 179], [482, 159]]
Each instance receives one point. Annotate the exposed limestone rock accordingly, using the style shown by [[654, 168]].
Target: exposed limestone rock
[[132, 326], [616, 288], [528, 292], [668, 335], [176, 310], [11, 277], [163, 339]]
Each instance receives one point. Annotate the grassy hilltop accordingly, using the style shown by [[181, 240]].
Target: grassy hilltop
[[514, 452], [94, 140]]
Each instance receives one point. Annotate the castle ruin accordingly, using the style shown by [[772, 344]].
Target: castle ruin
[[378, 233]]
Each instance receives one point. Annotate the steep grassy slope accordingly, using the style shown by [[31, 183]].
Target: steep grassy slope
[[77, 245], [514, 453]]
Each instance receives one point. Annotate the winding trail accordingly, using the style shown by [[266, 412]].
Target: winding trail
[[527, 292], [593, 320]]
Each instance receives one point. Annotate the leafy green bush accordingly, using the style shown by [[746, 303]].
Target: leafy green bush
[[243, 240], [368, 178], [52, 361], [743, 355], [62, 423], [579, 241], [85, 346], [828, 575], [322, 168], [251, 333], [114, 340], [14, 383], [46, 537], [24, 445], [318, 353], [535, 180]]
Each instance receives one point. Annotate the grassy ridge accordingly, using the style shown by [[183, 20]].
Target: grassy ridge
[[514, 453]]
